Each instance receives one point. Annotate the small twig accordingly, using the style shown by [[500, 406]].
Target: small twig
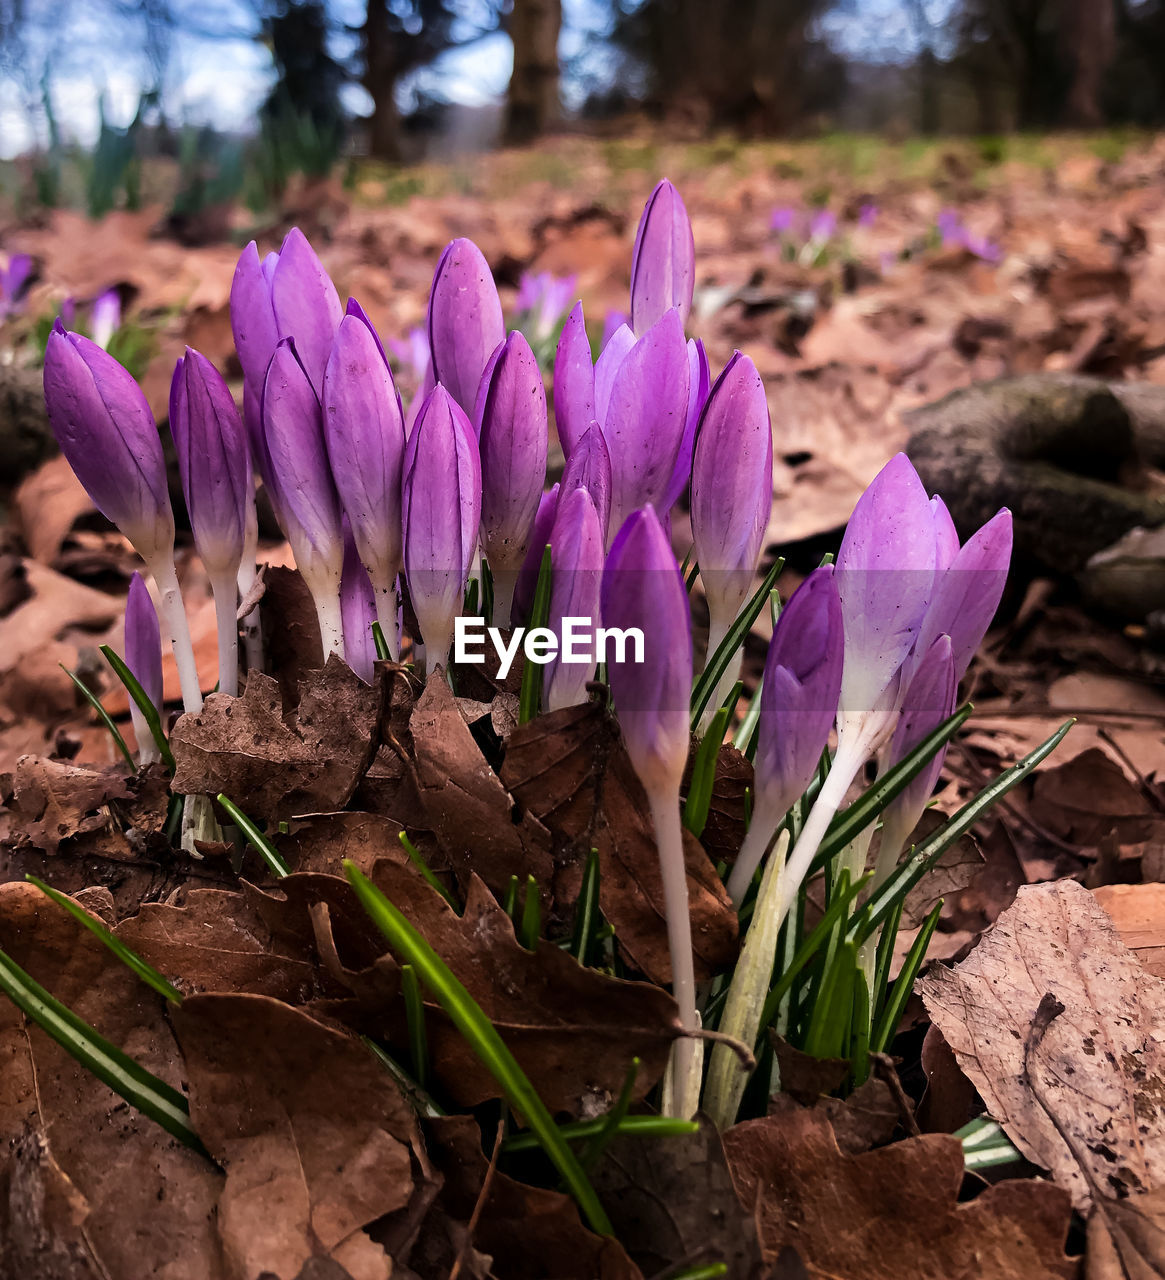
[[742, 1051], [885, 1070], [482, 1197], [1146, 786]]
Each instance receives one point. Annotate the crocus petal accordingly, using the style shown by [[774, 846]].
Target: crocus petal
[[928, 700], [645, 419], [802, 681], [732, 486], [512, 431], [885, 578], [574, 382], [614, 352], [532, 565], [946, 536], [213, 461], [358, 610], [442, 511], [307, 307], [105, 429], [699, 387], [293, 426], [465, 320], [967, 594], [663, 262], [253, 318], [643, 589], [364, 432], [143, 640], [576, 554], [589, 467]]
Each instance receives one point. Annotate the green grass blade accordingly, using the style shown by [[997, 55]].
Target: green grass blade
[[530, 697], [379, 641], [415, 1014], [422, 1103], [263, 847], [865, 809], [149, 712], [726, 650], [142, 1089], [586, 911], [611, 1121], [95, 702], [482, 1037], [629, 1127], [829, 1022], [742, 739], [907, 874], [423, 867], [904, 984], [699, 797], [706, 1271], [530, 923], [510, 900], [148, 974], [884, 958]]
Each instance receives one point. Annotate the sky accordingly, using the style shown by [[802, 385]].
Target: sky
[[221, 74]]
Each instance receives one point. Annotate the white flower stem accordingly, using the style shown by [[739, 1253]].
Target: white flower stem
[[664, 804], [148, 751], [252, 622], [718, 628], [760, 833], [224, 587], [505, 580], [388, 611], [331, 618], [172, 615]]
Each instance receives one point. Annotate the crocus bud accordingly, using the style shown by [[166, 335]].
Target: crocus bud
[[732, 494], [611, 358], [643, 588], [511, 426], [576, 556], [143, 656], [213, 461], [645, 415], [928, 700], [885, 575], [532, 565], [442, 513], [364, 432], [967, 593], [802, 680], [106, 431], [946, 536], [699, 387], [358, 608], [663, 262], [305, 493], [105, 317], [589, 467], [574, 382], [465, 320]]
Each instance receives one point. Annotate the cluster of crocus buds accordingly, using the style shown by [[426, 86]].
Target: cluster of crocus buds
[[377, 502]]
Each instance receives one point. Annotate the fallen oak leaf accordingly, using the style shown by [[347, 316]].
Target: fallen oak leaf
[[55, 801], [1100, 1067], [571, 770]]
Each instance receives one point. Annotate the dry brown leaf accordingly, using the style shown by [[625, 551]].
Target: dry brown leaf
[[56, 801], [47, 504], [1099, 1069], [893, 1212], [1138, 911]]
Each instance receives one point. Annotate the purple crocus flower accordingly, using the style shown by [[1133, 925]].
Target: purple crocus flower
[[643, 591], [105, 317], [802, 681], [946, 536], [543, 299], [576, 554], [822, 225], [574, 381], [613, 320], [663, 261], [303, 487], [699, 386], [589, 467], [358, 610], [950, 228], [784, 219], [532, 564], [644, 414], [867, 214], [442, 514], [143, 656], [465, 320], [364, 432], [732, 495], [215, 466], [411, 353], [105, 429], [13, 278], [510, 418], [928, 700]]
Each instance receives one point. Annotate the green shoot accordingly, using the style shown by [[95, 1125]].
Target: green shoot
[[423, 867], [699, 797], [95, 702], [628, 1127], [415, 1014], [149, 712], [530, 697], [612, 1120], [586, 911], [530, 923], [381, 644], [904, 983], [258, 841]]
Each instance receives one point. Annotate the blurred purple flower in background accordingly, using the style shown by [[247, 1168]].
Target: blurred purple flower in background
[[411, 354], [542, 304], [13, 278], [105, 317]]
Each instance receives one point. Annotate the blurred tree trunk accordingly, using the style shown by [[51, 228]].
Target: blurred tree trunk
[[532, 100], [1089, 37], [380, 77]]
